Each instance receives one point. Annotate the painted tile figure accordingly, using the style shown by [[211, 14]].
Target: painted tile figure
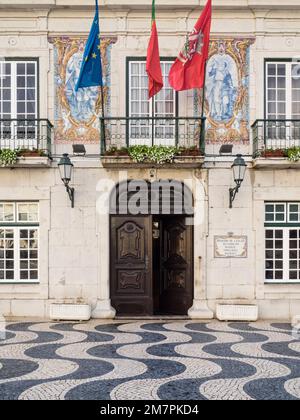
[[222, 85], [227, 91]]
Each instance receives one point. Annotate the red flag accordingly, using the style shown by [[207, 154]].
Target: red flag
[[153, 60], [188, 71]]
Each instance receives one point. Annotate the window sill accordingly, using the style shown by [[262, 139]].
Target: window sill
[[284, 283], [274, 163], [116, 162], [31, 162], [13, 283]]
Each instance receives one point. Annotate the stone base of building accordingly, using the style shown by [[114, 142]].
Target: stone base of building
[[103, 310], [283, 310], [200, 310]]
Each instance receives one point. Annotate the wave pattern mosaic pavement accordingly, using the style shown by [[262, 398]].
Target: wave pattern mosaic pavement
[[180, 360]]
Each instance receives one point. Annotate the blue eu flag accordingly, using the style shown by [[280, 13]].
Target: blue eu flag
[[91, 69]]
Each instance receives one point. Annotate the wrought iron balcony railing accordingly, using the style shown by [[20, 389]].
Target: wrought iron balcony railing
[[275, 135], [26, 134], [118, 133]]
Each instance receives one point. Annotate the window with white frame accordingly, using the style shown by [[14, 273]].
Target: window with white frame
[[282, 90], [163, 105], [282, 242], [19, 242], [18, 99]]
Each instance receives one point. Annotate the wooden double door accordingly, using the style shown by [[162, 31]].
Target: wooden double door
[[151, 265]]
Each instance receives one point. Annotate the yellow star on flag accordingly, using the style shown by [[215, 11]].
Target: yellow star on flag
[[94, 55]]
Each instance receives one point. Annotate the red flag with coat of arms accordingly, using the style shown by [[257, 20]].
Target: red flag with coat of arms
[[153, 60], [188, 71]]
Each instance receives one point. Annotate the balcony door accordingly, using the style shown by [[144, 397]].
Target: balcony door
[[18, 103], [142, 128], [282, 104]]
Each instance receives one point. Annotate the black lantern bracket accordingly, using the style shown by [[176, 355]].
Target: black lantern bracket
[[239, 168], [71, 194], [232, 194], [65, 167]]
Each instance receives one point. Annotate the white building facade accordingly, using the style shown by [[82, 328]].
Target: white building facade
[[155, 262]]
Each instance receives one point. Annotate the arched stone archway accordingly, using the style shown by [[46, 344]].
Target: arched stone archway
[[199, 309]]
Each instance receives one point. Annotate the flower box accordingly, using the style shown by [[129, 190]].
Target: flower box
[[70, 312], [237, 313]]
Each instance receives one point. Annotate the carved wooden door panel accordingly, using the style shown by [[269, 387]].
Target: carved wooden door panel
[[131, 265], [176, 292]]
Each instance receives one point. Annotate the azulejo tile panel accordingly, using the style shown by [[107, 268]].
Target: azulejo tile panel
[[76, 112], [180, 360], [227, 91]]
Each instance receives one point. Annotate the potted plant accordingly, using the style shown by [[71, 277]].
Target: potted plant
[[8, 157], [190, 151], [114, 151], [30, 153], [274, 153]]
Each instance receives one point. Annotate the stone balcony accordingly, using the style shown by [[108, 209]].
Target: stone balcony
[[273, 143], [30, 139], [120, 138]]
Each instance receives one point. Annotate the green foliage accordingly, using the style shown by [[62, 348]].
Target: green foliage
[[293, 154], [154, 154], [8, 157]]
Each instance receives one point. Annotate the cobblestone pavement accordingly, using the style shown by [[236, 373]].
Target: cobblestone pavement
[[149, 360]]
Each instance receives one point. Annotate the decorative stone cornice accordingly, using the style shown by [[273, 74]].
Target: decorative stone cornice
[[146, 4]]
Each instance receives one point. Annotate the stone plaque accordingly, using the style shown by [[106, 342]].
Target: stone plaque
[[231, 246]]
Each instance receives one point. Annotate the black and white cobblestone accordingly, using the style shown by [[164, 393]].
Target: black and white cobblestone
[[150, 360]]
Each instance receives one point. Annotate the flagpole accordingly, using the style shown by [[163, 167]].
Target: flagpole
[[202, 132], [103, 134]]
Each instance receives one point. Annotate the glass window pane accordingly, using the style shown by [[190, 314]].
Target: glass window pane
[[31, 68], [24, 275], [294, 208], [281, 82], [271, 82], [281, 95], [280, 207], [281, 69], [21, 68], [21, 81], [30, 82], [7, 212], [272, 69], [28, 212]]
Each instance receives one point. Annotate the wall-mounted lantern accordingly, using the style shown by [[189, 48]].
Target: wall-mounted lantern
[[65, 169], [239, 168]]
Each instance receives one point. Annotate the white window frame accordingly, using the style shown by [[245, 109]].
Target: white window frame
[[278, 203], [285, 226], [280, 132], [151, 104], [289, 212], [288, 88], [21, 203], [15, 128], [16, 226], [14, 86]]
